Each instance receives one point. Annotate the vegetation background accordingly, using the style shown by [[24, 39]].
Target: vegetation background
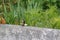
[[40, 13]]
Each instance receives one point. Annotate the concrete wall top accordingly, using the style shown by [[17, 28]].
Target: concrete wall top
[[16, 32]]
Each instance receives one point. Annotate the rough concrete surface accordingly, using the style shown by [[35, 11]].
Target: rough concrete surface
[[16, 32]]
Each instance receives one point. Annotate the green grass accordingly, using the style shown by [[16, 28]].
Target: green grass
[[33, 15]]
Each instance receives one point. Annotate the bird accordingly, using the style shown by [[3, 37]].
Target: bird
[[23, 23]]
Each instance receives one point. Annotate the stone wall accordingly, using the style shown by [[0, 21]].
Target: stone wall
[[16, 32]]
